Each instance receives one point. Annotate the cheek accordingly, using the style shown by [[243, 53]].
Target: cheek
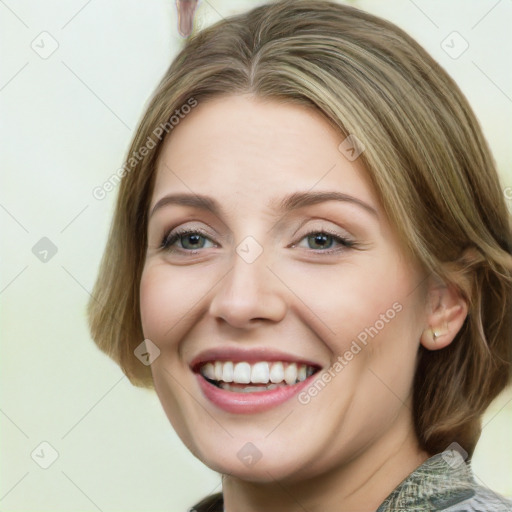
[[170, 297], [351, 297], [159, 304], [151, 300]]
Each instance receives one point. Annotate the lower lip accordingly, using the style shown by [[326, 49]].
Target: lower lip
[[246, 403]]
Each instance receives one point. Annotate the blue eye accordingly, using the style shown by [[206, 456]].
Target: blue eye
[[326, 240], [191, 240]]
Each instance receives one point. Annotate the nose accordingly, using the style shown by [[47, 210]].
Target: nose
[[249, 294]]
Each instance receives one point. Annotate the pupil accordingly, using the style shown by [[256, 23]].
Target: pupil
[[193, 238], [320, 239]]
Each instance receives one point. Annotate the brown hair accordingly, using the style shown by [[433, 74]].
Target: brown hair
[[425, 154]]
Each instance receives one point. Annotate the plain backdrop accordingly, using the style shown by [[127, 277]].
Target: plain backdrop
[[75, 77]]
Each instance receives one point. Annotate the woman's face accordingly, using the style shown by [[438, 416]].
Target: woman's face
[[276, 274]]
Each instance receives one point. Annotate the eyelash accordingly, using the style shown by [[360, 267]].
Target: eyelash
[[169, 239]]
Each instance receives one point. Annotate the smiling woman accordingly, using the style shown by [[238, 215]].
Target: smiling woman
[[318, 258]]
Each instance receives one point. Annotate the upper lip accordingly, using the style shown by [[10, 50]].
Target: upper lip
[[249, 355]]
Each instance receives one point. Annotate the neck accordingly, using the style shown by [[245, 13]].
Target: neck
[[359, 485]]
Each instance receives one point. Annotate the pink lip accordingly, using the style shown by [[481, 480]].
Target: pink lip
[[252, 355], [247, 403]]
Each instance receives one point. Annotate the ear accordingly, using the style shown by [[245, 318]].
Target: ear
[[446, 311]]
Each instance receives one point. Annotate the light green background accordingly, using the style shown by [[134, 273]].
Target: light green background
[[66, 122]]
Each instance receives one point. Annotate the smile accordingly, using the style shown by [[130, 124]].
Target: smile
[[266, 375], [243, 387]]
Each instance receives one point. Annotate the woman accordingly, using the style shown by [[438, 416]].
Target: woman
[[312, 241]]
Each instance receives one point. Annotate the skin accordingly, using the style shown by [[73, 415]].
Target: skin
[[186, 10], [350, 446]]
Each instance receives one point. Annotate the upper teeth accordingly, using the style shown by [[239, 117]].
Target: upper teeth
[[257, 373]]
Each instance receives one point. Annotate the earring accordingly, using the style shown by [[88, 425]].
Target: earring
[[435, 335]]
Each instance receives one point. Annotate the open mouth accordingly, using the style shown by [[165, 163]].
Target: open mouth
[[244, 377]]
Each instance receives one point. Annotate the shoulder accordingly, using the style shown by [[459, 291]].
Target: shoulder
[[444, 483], [482, 500]]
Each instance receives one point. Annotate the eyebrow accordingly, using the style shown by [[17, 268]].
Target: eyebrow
[[290, 202]]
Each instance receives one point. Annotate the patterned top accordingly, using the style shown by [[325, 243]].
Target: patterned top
[[443, 483]]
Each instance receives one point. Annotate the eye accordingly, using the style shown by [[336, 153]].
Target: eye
[[190, 240], [324, 240], [193, 239]]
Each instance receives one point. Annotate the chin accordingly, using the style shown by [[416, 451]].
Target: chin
[[254, 462]]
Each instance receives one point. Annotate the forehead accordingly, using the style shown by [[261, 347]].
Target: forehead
[[256, 148]]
